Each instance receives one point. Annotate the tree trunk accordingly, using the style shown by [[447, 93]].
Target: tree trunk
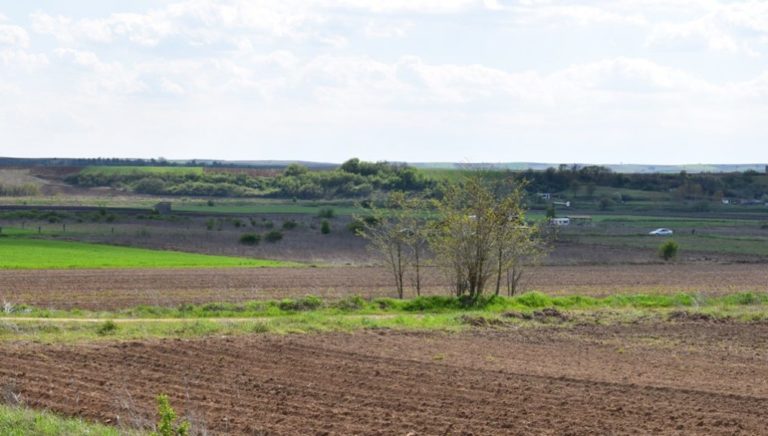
[[417, 265]]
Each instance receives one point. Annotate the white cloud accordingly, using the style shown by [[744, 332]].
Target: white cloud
[[408, 74], [13, 35], [23, 59], [704, 33], [378, 29], [581, 15]]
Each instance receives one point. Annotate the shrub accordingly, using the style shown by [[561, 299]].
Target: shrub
[[764, 226], [290, 225], [310, 302], [106, 328], [268, 224], [354, 302], [325, 227], [668, 250], [168, 425], [326, 213], [356, 226], [273, 236], [210, 224], [250, 239]]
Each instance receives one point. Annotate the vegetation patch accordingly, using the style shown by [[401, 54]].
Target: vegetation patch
[[21, 421], [21, 253]]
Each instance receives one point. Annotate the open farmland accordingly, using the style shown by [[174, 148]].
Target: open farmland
[[672, 378], [107, 303], [124, 288]]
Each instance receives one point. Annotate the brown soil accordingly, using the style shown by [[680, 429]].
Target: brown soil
[[669, 378], [110, 289]]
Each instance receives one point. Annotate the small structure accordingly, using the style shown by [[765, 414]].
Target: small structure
[[163, 208], [725, 201], [560, 221], [545, 195]]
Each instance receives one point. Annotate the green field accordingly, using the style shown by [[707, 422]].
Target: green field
[[132, 170], [21, 253]]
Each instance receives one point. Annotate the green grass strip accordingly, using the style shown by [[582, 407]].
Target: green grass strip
[[20, 421], [21, 253]]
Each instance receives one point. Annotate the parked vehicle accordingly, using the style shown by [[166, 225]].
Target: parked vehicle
[[662, 232]]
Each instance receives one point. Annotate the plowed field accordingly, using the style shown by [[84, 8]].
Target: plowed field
[[111, 289], [668, 378]]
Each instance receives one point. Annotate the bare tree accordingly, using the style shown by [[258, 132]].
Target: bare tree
[[388, 234], [482, 233]]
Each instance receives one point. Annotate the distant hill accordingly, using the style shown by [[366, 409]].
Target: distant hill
[[278, 164]]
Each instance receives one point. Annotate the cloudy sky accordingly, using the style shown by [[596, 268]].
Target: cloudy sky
[[642, 81]]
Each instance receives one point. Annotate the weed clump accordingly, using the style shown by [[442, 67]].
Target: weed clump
[[273, 236], [354, 302], [668, 250], [310, 302], [325, 227], [108, 327], [326, 213], [250, 239]]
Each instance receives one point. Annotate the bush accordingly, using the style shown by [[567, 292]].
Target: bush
[[326, 213], [310, 302], [668, 250], [356, 226], [290, 225], [168, 425], [764, 226], [106, 328], [273, 236], [325, 227], [354, 302], [250, 239]]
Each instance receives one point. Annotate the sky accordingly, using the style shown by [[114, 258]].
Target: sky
[[593, 81]]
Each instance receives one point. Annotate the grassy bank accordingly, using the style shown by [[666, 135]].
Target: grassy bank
[[311, 314], [22, 253], [20, 421]]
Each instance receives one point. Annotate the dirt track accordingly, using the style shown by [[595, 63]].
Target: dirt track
[[109, 289], [688, 378]]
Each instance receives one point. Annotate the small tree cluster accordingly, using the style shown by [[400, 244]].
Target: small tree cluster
[[479, 236], [483, 237]]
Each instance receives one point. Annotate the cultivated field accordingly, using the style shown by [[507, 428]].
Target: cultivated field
[[645, 378], [124, 288]]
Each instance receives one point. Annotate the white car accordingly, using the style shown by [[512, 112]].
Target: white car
[[661, 232]]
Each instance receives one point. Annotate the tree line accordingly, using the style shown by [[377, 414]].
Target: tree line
[[353, 179]]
